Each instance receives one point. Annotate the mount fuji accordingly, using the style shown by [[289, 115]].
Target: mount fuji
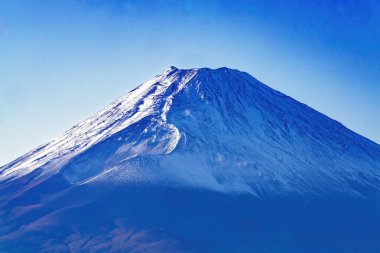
[[196, 160]]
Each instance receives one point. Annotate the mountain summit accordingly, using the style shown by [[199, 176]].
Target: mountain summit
[[188, 134], [220, 129]]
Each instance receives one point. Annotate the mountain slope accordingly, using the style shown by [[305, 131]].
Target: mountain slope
[[207, 136]]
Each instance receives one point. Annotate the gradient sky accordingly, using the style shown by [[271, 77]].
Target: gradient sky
[[61, 61]]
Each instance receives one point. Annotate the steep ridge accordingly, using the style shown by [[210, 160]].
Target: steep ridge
[[148, 100], [203, 136]]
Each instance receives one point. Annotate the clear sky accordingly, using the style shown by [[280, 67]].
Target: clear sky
[[61, 61]]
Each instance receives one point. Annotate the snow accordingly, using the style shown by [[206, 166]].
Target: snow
[[125, 111], [216, 129]]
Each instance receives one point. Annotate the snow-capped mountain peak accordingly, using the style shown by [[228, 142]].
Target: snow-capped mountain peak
[[218, 129], [196, 160]]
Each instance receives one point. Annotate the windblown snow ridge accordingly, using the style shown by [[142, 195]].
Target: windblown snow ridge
[[151, 99]]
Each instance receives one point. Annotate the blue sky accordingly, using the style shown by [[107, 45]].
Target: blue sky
[[61, 61]]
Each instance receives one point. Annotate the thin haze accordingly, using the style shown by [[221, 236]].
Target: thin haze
[[61, 61]]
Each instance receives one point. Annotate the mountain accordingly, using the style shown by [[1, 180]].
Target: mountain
[[196, 160]]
